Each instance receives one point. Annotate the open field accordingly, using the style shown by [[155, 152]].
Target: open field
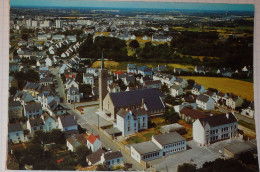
[[108, 64], [226, 85]]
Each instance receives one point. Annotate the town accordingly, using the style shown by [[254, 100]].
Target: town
[[113, 89]]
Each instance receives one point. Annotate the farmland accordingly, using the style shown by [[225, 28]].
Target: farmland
[[226, 85]]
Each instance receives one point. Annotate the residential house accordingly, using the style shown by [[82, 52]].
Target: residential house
[[234, 101], [32, 88], [205, 102], [249, 111], [159, 68], [181, 82], [198, 89], [131, 68], [35, 124], [145, 71], [221, 97], [71, 83], [153, 84], [151, 99], [88, 79], [159, 146], [190, 115], [225, 72], [200, 69], [33, 110], [46, 96], [131, 121], [113, 88], [178, 108], [13, 66], [73, 95], [74, 141], [93, 142], [95, 158], [164, 78], [16, 109], [112, 159], [214, 128], [55, 109], [23, 97], [68, 125], [176, 90], [143, 79], [15, 133], [93, 71], [49, 122]]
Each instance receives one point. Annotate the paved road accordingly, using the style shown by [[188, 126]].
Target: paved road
[[239, 116], [60, 85]]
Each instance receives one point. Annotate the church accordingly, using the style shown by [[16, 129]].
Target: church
[[152, 99]]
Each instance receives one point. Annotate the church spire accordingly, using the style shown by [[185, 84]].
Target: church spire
[[102, 62]]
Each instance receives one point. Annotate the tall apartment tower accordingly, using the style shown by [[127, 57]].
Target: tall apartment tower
[[102, 87], [59, 23]]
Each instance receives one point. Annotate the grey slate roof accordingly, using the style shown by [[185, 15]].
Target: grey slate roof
[[68, 120], [36, 122], [96, 156], [146, 147], [179, 80], [196, 87], [168, 138], [112, 155], [131, 66], [24, 96], [122, 112], [33, 107], [175, 87], [54, 105], [14, 104], [144, 69], [218, 120], [15, 128], [203, 98], [33, 86], [151, 98]]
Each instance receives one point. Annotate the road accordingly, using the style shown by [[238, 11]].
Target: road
[[89, 120], [239, 116]]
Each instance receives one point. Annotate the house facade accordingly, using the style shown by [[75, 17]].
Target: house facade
[[93, 142], [176, 90], [15, 133], [205, 102]]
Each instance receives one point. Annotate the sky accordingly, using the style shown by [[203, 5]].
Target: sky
[[116, 4]]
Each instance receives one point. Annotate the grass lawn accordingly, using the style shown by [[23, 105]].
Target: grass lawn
[[188, 129], [226, 85]]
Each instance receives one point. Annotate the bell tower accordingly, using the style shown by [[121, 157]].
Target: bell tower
[[102, 84]]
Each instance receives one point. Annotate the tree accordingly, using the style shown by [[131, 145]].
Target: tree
[[171, 116], [82, 151], [191, 83], [186, 168], [165, 89], [13, 90], [134, 44], [86, 90], [121, 85], [57, 136], [39, 137], [24, 36]]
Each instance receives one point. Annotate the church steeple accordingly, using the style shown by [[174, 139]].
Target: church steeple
[[102, 61]]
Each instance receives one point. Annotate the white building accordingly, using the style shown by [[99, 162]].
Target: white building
[[35, 124], [73, 95], [198, 89], [176, 90], [205, 102], [88, 79], [214, 128], [15, 133], [131, 121], [93, 142], [234, 101]]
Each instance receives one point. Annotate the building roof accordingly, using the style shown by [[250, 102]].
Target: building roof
[[131, 66], [152, 98], [26, 97], [179, 80], [171, 127], [151, 82], [194, 114], [92, 138], [168, 138], [146, 147], [175, 87], [218, 120], [14, 104], [203, 98], [144, 69], [32, 86], [33, 107], [96, 156], [237, 148], [112, 155], [76, 140], [68, 120], [196, 87], [36, 122], [54, 105], [15, 128]]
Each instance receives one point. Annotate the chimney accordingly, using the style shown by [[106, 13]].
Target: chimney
[[227, 115], [142, 104]]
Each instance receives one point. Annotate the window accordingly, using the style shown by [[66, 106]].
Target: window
[[17, 134], [118, 160]]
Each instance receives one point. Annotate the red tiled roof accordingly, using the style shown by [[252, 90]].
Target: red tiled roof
[[70, 76], [119, 72], [92, 138]]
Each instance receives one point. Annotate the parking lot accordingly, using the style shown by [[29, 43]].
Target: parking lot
[[195, 154]]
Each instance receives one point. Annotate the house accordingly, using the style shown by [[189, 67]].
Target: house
[[15, 133], [143, 79], [131, 121], [15, 108], [49, 123], [112, 159], [145, 71], [214, 128], [176, 90], [159, 68], [127, 79], [179, 70], [93, 71], [200, 69], [221, 97], [190, 115], [205, 102], [178, 108], [113, 88], [249, 111], [131, 68], [159, 146], [72, 38], [71, 82], [198, 89], [23, 97], [73, 95], [56, 109], [93, 142], [225, 72], [13, 82], [211, 94], [13, 66], [234, 101], [32, 88], [164, 78], [33, 110], [151, 99], [181, 82], [152, 84], [95, 158], [35, 124], [74, 141], [88, 79], [46, 96], [68, 125]]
